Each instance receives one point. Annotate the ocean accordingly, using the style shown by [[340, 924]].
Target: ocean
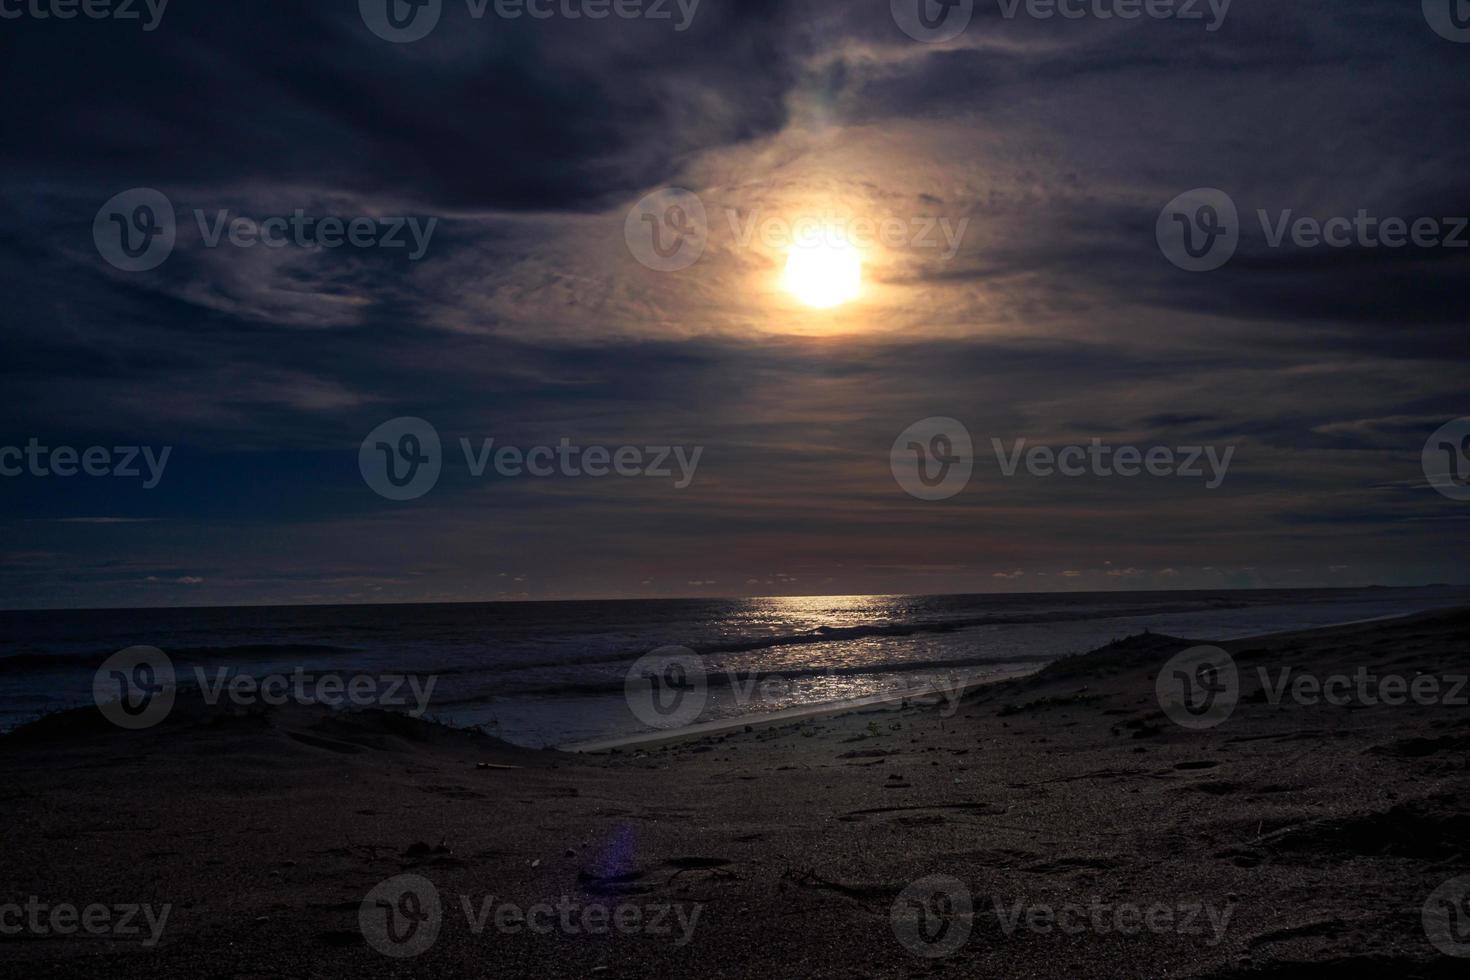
[[553, 673]]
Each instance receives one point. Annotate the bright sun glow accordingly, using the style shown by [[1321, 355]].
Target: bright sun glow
[[824, 272]]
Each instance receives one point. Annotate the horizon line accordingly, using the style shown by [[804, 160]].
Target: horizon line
[[709, 598]]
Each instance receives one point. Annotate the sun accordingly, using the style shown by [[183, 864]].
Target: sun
[[824, 271]]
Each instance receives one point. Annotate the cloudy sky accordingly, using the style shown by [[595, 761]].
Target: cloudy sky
[[1018, 281]]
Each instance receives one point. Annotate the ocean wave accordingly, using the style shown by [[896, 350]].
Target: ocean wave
[[729, 677], [834, 634], [26, 663], [22, 663], [830, 634]]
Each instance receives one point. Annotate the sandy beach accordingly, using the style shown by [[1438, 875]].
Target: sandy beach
[[1058, 825]]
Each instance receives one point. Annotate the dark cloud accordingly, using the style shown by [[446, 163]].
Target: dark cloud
[[482, 114]]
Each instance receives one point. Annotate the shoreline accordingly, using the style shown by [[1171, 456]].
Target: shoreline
[[832, 709], [800, 713], [534, 689]]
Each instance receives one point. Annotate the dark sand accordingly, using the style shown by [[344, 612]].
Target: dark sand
[[1324, 829]]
